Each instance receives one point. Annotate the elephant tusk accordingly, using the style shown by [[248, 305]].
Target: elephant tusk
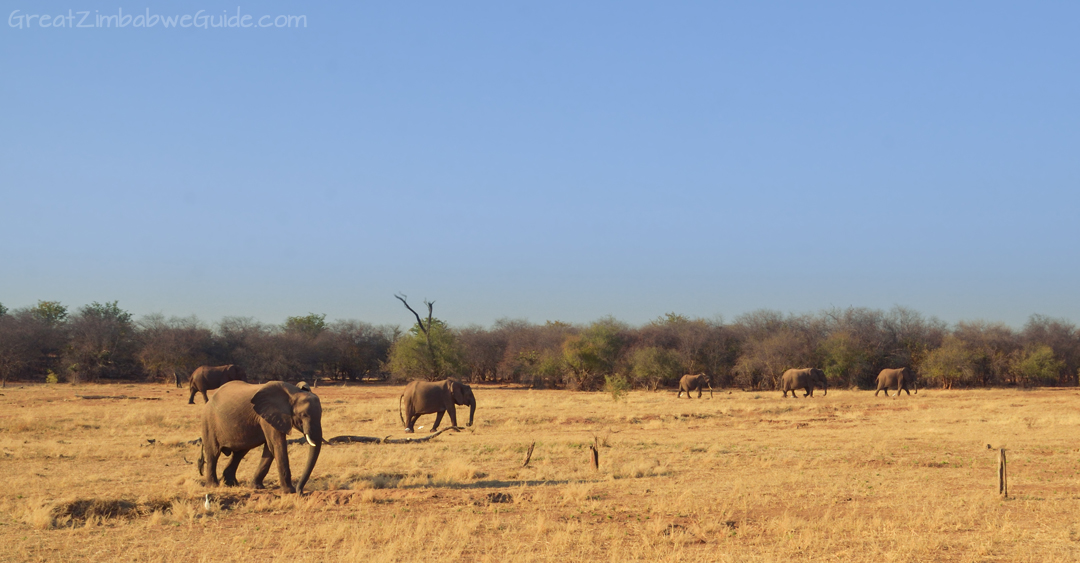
[[309, 440]]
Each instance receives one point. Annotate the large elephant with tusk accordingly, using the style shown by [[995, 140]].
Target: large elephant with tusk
[[242, 416]]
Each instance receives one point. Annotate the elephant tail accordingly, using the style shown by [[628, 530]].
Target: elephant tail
[[399, 409]]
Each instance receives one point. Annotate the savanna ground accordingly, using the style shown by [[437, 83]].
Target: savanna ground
[[744, 476]]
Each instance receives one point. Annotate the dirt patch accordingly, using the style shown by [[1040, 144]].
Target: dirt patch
[[571, 420], [79, 511], [498, 498]]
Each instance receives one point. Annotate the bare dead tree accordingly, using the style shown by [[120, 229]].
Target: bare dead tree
[[426, 330]]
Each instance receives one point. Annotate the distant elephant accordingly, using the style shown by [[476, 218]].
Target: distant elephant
[[899, 378], [242, 416], [179, 380], [806, 378], [205, 378], [427, 397], [690, 382]]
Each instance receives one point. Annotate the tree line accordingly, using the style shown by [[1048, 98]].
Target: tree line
[[99, 341]]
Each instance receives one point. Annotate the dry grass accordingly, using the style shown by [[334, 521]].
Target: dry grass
[[741, 477]]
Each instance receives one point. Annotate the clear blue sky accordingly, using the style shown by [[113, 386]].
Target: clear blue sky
[[545, 160]]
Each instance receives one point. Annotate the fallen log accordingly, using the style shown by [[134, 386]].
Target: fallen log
[[389, 440], [117, 397], [354, 439], [374, 440]]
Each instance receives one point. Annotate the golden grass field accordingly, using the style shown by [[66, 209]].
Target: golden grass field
[[744, 476]]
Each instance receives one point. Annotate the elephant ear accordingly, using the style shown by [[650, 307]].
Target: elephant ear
[[273, 405], [457, 392]]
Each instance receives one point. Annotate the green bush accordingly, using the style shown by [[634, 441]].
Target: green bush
[[617, 385], [653, 367], [1037, 366]]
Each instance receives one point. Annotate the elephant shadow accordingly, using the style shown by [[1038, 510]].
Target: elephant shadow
[[393, 481], [497, 484]]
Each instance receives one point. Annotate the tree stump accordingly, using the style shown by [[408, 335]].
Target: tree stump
[[1003, 483]]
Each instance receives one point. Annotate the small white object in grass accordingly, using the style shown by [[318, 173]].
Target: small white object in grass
[[419, 427], [206, 503]]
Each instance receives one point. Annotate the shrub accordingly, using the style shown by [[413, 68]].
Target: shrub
[[617, 385]]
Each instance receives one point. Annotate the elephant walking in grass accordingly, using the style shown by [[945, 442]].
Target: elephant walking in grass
[[806, 378], [438, 397], [901, 379], [692, 382], [205, 378], [242, 416]]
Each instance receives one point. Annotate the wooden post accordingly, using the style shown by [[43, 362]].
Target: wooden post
[[595, 447], [528, 456], [1003, 484]]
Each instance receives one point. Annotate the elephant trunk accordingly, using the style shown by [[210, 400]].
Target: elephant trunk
[[313, 456], [915, 385], [472, 410], [824, 386], [314, 437]]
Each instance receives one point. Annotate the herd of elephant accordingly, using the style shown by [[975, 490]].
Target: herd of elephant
[[808, 379], [242, 416]]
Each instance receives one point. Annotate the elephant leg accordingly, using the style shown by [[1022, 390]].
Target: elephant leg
[[280, 451], [905, 391], [411, 421], [264, 467], [229, 473], [205, 398], [210, 456], [191, 399], [452, 411], [698, 393], [679, 396], [438, 419]]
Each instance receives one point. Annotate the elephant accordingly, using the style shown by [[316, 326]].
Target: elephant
[[690, 382], [205, 378], [806, 378], [899, 378], [426, 397], [242, 416]]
